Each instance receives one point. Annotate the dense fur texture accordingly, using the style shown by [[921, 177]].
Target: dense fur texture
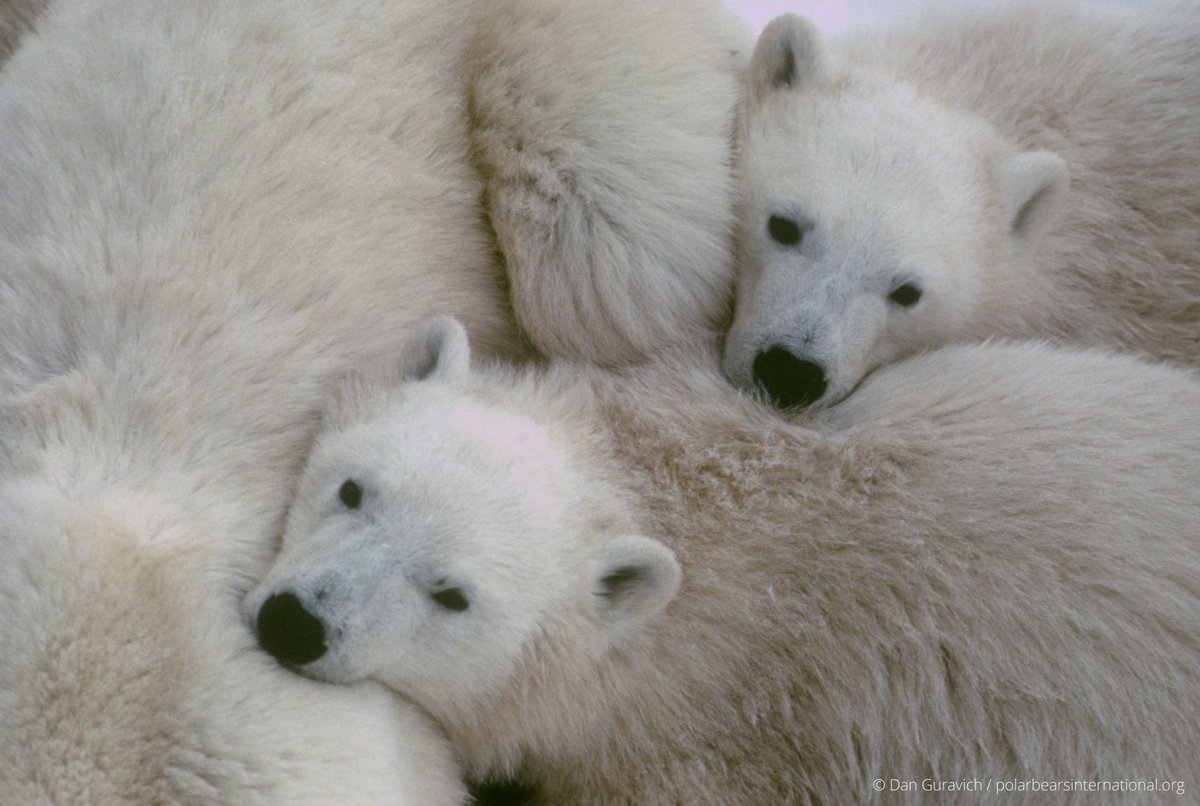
[[604, 131], [127, 679], [985, 565], [16, 18], [1023, 170], [208, 212]]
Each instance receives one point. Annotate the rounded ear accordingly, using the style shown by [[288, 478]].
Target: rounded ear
[[1033, 186], [632, 579], [437, 351], [789, 55]]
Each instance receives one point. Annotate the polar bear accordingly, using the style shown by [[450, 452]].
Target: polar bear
[[126, 680], [208, 212], [645, 588], [1019, 171], [605, 135]]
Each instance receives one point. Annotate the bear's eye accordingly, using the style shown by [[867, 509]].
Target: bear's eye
[[452, 599], [906, 295], [350, 494], [785, 231]]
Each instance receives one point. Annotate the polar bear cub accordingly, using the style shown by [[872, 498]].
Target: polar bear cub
[[646, 588], [1022, 171], [127, 678], [391, 571]]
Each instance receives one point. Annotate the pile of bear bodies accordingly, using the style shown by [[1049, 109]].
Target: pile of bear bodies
[[572, 402]]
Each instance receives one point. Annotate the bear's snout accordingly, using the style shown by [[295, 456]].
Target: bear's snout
[[788, 380], [289, 632]]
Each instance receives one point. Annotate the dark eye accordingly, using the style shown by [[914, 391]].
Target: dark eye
[[906, 295], [452, 599], [784, 231], [350, 494]]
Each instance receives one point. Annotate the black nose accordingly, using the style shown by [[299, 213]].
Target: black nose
[[789, 381], [289, 632]]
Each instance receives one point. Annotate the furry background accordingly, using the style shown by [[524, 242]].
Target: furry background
[[835, 15]]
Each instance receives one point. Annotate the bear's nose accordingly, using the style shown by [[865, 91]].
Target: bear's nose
[[289, 632], [788, 380]]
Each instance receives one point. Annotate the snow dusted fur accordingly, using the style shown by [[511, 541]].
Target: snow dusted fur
[[983, 565], [208, 212], [1025, 168], [605, 132]]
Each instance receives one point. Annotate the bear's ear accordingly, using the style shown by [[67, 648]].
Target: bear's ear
[[788, 55], [632, 579], [1033, 186], [437, 351]]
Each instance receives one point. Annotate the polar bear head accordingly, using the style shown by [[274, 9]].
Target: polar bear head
[[438, 535], [874, 221]]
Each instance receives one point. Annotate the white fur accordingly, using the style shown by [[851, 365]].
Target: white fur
[[1025, 166], [983, 565], [208, 212], [127, 679], [369, 572], [606, 130]]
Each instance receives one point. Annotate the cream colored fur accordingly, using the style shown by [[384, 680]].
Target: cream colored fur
[[127, 679], [1026, 166], [610, 187], [984, 565], [208, 212]]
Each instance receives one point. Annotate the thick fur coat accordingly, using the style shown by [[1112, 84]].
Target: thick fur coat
[[983, 566], [124, 680], [208, 212], [1019, 171]]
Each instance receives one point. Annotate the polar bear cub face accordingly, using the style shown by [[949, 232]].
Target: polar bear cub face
[[872, 221], [433, 542]]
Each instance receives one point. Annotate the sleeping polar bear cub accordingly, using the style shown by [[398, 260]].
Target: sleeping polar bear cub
[[643, 587], [393, 573], [1021, 171]]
